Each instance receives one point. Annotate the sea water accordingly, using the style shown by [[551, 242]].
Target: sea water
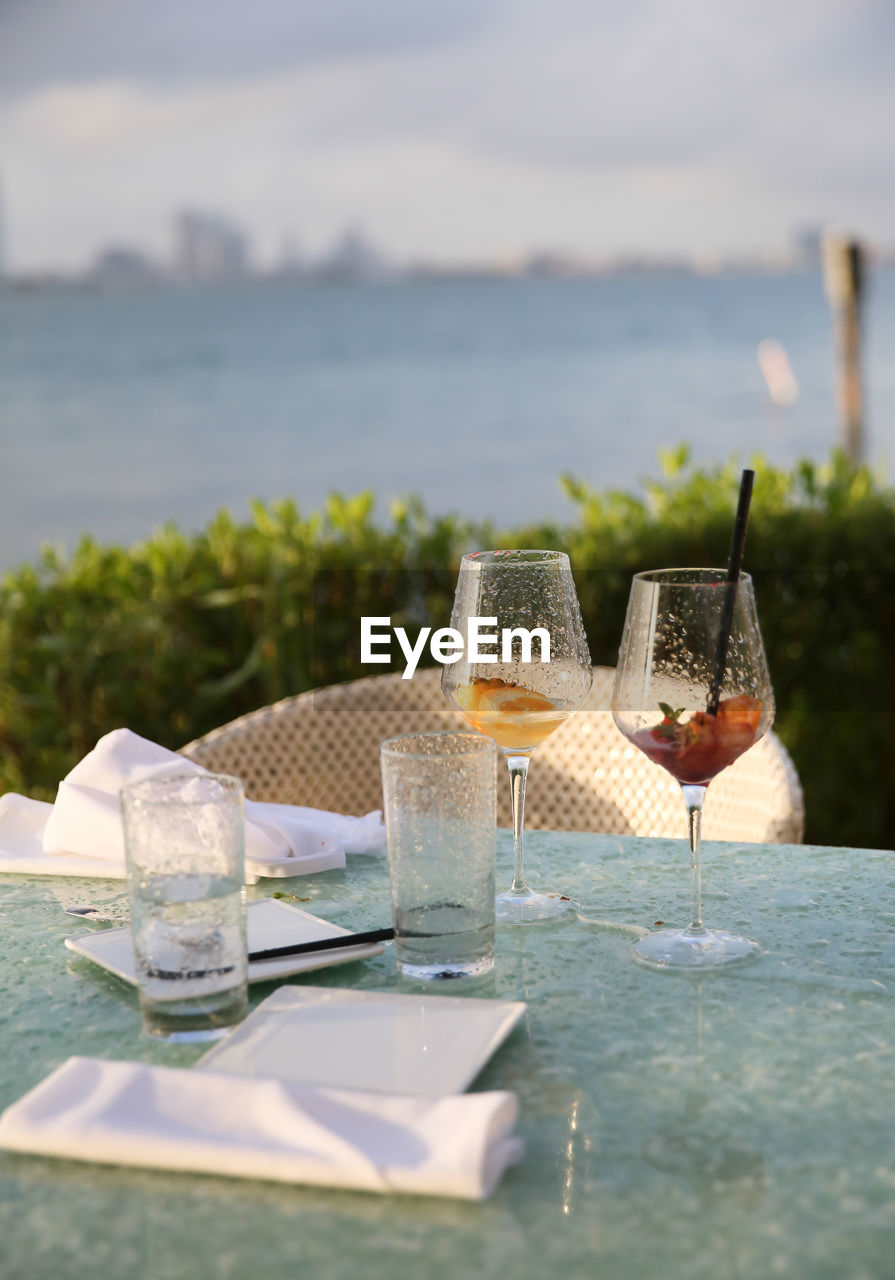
[[119, 414]]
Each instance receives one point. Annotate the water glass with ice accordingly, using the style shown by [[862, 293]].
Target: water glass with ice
[[439, 792], [184, 836]]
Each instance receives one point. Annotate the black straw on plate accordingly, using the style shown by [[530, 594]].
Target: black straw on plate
[[276, 953], [323, 944], [734, 564]]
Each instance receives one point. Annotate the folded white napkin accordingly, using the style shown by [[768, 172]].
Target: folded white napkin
[[198, 1121], [82, 835]]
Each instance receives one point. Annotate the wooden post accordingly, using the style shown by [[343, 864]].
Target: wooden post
[[843, 260]]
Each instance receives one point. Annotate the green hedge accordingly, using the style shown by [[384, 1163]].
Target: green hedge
[[184, 632]]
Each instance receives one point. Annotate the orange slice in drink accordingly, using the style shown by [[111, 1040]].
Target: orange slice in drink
[[515, 717]]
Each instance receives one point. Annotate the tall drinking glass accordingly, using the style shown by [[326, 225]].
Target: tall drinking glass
[[440, 807], [505, 689], [184, 836], [692, 691]]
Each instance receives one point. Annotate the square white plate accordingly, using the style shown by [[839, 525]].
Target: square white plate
[[269, 923], [427, 1045]]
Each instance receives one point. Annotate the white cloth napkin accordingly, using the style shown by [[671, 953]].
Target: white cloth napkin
[[81, 834], [169, 1118]]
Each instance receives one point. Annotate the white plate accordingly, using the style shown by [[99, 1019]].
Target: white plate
[[269, 923], [426, 1045]]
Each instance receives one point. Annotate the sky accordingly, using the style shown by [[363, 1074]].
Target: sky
[[450, 131]]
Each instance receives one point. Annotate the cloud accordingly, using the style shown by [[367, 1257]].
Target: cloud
[[495, 124], [669, 81], [167, 42]]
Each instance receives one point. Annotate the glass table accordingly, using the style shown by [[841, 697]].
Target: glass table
[[735, 1125]]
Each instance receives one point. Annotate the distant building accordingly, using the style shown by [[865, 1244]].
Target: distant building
[[550, 264], [208, 249], [352, 257], [123, 270], [808, 246]]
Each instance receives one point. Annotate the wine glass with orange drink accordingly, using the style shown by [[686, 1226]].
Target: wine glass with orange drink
[[528, 611]]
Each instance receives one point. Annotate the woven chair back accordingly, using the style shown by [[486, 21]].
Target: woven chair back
[[321, 749]]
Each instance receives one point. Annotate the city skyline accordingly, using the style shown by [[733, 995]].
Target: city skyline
[[206, 247], [480, 131]]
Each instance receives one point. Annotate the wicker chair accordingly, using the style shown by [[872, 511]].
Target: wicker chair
[[321, 748]]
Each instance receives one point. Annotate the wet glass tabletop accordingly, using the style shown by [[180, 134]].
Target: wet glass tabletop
[[734, 1126]]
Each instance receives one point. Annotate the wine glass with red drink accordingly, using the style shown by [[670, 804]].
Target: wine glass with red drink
[[692, 691]]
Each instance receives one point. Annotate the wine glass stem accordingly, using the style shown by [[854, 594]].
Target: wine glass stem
[[518, 766], [694, 798]]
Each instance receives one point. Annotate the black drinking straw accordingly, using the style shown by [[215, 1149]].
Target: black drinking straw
[[734, 564]]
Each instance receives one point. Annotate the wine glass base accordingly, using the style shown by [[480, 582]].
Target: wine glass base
[[530, 908], [692, 949]]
